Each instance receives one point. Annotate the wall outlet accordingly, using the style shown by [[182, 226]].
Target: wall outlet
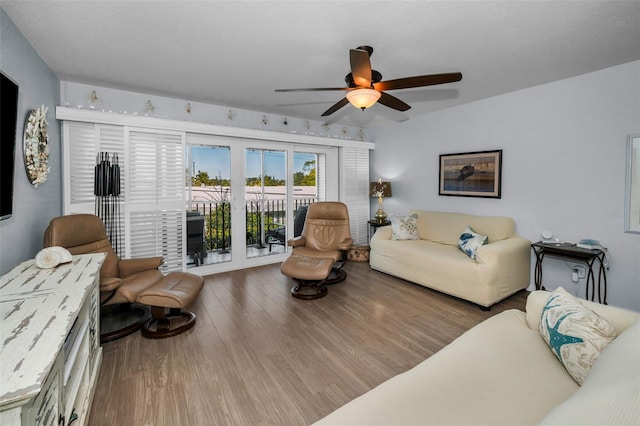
[[578, 272]]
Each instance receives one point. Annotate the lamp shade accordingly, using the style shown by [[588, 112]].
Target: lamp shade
[[363, 98], [380, 189]]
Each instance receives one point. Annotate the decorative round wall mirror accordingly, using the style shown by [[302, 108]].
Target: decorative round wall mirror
[[36, 146]]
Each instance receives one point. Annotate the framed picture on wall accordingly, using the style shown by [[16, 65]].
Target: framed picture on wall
[[471, 174], [632, 196]]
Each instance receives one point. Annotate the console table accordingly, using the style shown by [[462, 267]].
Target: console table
[[576, 254], [49, 342]]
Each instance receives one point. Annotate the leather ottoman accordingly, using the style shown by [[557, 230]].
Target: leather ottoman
[[309, 273], [174, 292]]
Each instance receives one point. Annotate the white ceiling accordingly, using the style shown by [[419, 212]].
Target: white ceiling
[[235, 53]]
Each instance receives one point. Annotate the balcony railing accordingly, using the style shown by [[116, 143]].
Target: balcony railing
[[261, 217]]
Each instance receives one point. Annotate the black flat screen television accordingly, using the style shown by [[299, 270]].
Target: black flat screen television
[[8, 123]]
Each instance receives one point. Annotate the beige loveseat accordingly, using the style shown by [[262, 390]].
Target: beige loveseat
[[435, 261], [502, 372]]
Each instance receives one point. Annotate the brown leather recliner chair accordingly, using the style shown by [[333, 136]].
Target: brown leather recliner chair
[[326, 234], [121, 280]]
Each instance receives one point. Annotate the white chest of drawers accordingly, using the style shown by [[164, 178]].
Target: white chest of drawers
[[49, 342]]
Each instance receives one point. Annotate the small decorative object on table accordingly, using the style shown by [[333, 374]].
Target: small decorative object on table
[[51, 257], [380, 190]]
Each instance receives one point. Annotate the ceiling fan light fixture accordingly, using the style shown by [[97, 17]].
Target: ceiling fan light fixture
[[365, 86], [363, 98]]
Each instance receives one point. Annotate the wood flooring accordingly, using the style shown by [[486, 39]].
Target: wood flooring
[[258, 356]]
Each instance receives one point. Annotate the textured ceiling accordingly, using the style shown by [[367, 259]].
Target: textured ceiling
[[235, 53]]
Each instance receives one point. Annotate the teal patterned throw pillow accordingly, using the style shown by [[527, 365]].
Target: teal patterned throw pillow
[[575, 334], [404, 227], [470, 242]]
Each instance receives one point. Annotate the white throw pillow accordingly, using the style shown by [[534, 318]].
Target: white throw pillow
[[470, 241], [575, 334], [404, 227]]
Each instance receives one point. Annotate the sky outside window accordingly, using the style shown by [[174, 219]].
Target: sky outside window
[[216, 161]]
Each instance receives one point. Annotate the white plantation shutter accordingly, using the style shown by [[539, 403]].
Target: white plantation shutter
[[171, 171], [143, 176], [152, 185], [81, 146], [155, 196], [354, 190], [321, 177], [82, 143], [111, 140], [170, 231], [158, 233]]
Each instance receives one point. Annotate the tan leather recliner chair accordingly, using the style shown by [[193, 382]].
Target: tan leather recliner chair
[[121, 280], [326, 234]]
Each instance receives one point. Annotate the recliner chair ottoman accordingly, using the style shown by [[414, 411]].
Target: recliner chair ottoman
[[174, 292], [309, 273]]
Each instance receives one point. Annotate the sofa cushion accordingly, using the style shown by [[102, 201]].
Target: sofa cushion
[[404, 227], [445, 227], [447, 269], [471, 241], [575, 334], [611, 392]]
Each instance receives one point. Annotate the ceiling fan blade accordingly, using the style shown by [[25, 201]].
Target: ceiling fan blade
[[360, 67], [418, 81], [392, 102], [312, 89], [342, 102]]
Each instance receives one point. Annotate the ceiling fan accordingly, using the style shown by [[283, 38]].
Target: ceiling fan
[[365, 88]]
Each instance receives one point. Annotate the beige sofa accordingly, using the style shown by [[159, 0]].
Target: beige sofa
[[435, 261], [503, 372]]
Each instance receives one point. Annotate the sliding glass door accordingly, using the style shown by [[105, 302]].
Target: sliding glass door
[[266, 200], [208, 218], [243, 198]]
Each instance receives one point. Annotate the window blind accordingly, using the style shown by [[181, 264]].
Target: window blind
[[155, 196], [321, 178], [354, 190], [152, 178], [81, 146]]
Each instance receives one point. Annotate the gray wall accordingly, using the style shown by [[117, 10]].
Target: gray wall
[[33, 208], [564, 166]]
